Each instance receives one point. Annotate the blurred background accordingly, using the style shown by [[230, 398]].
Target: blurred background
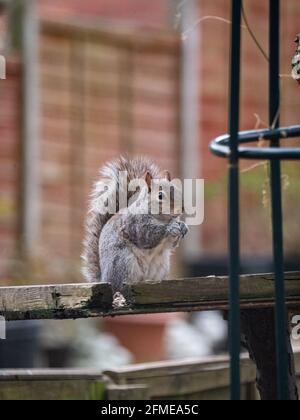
[[90, 80]]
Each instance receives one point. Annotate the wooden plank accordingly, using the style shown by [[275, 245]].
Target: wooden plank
[[52, 384], [157, 369], [13, 375], [78, 389], [184, 383], [127, 392], [260, 341], [198, 379], [71, 301], [220, 394], [181, 379], [167, 382]]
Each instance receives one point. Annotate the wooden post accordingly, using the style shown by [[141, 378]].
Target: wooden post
[[259, 339], [186, 13], [23, 40]]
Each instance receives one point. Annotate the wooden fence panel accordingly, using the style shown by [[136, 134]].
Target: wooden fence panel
[[105, 91], [206, 379]]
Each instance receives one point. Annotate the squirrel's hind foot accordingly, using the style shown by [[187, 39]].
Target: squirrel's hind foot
[[119, 301]]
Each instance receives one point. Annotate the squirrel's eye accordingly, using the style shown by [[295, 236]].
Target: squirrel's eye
[[160, 196]]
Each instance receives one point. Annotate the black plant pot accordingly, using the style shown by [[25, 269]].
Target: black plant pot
[[22, 347]]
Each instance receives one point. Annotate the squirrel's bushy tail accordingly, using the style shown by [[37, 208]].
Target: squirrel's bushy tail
[[136, 168]]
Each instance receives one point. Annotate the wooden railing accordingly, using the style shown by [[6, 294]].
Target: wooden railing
[[95, 300]]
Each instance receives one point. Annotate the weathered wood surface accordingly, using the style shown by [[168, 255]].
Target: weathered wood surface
[[127, 392], [95, 300], [151, 381], [186, 379], [52, 384], [191, 379], [182, 379], [19, 375], [260, 340]]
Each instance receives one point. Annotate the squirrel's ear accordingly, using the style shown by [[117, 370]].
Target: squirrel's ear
[[148, 179], [167, 176]]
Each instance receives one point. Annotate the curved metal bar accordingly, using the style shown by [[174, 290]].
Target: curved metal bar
[[220, 146]]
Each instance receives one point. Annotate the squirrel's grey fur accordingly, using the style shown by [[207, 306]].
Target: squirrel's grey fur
[[126, 246], [136, 168]]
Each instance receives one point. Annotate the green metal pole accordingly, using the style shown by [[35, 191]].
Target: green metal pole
[[234, 251], [277, 219]]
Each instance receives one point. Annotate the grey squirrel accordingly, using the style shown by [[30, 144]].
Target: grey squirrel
[[296, 61], [131, 244]]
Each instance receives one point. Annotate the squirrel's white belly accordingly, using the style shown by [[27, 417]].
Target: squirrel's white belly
[[153, 264]]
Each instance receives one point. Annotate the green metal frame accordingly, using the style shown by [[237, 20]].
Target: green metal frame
[[228, 146]]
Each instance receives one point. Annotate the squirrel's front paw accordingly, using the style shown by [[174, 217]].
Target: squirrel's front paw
[[178, 229], [184, 229]]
